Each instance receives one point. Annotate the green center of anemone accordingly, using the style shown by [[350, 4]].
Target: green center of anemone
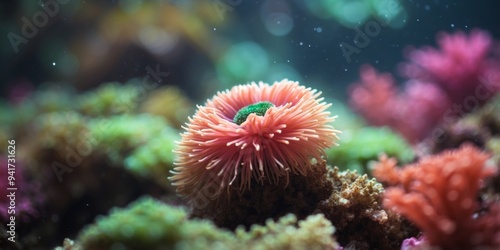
[[258, 108]]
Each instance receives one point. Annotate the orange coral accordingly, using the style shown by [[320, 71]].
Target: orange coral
[[439, 194]]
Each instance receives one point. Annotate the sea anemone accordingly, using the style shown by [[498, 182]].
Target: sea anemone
[[252, 132]]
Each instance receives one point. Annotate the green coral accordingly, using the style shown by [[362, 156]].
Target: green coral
[[110, 99], [60, 129], [259, 109], [315, 232], [359, 147], [118, 135], [156, 157], [150, 224]]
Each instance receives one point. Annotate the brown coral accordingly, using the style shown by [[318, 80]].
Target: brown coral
[[439, 195], [355, 209]]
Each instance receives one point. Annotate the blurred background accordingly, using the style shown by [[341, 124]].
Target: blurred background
[[69, 67], [205, 46]]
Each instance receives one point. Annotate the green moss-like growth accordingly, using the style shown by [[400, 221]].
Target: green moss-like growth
[[117, 136], [110, 99], [315, 232], [358, 147], [259, 109], [150, 224], [155, 158]]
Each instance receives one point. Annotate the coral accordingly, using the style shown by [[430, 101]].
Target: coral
[[457, 66], [359, 147], [413, 112], [54, 136], [263, 201], [264, 148], [49, 98], [155, 158], [150, 224], [170, 103], [110, 99], [355, 209], [315, 232], [117, 136], [439, 195]]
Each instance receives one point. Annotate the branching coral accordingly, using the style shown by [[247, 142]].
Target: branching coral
[[413, 113], [355, 209], [359, 147], [439, 195], [215, 153], [461, 72], [457, 66]]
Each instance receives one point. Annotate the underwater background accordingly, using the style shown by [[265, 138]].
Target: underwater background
[[238, 124]]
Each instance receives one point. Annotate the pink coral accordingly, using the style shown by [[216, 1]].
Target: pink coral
[[216, 152], [457, 65], [439, 194], [413, 112]]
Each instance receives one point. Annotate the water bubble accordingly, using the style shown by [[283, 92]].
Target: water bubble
[[53, 63]]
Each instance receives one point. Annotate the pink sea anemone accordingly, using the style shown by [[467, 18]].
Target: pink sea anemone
[[254, 131]]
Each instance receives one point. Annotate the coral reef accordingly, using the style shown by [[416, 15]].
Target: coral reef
[[216, 154], [360, 146], [439, 194], [148, 223], [355, 209], [443, 83]]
